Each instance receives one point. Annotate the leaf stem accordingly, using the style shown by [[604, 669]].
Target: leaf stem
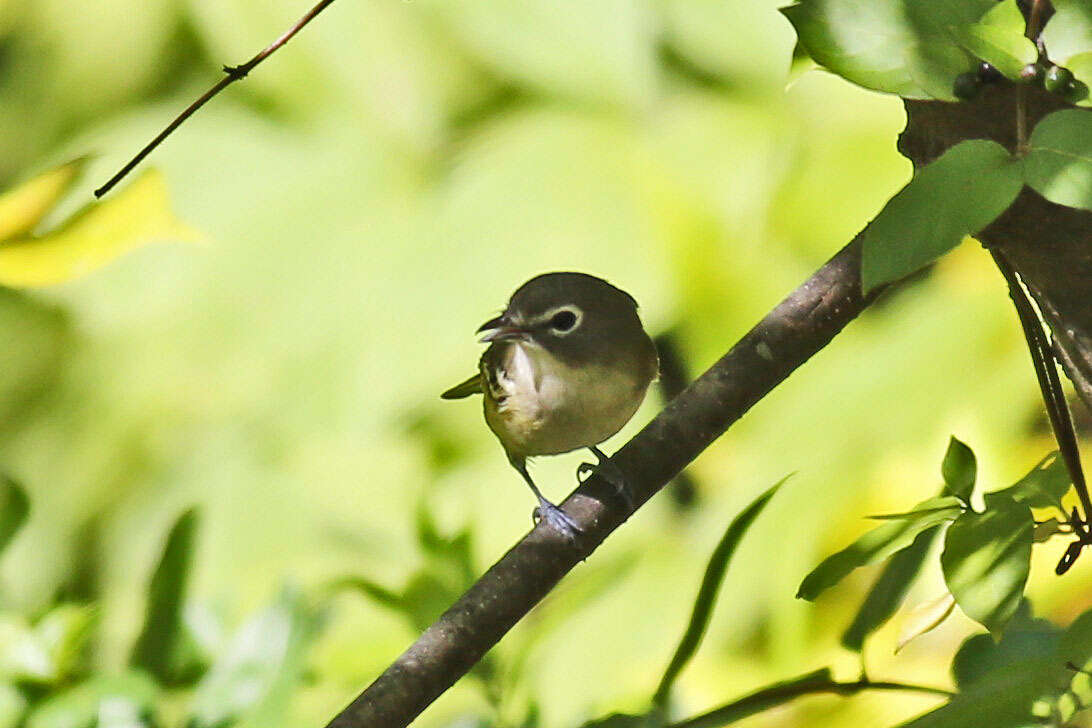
[[806, 685], [234, 73], [1032, 30], [1021, 121]]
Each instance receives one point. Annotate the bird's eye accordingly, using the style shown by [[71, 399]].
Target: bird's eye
[[563, 320]]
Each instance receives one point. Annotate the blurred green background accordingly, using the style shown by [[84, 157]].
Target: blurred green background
[[370, 195]]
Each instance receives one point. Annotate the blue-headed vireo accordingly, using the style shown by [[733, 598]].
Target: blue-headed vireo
[[568, 365]]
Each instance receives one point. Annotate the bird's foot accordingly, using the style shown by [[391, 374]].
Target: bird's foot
[[609, 472], [557, 518]]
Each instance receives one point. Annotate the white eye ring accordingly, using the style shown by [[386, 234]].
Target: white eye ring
[[564, 320]]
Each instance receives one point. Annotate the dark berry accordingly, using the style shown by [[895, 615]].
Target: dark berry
[[1057, 79], [966, 86], [988, 74], [1074, 92]]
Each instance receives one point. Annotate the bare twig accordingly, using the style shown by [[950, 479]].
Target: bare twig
[[789, 335], [811, 684], [234, 73]]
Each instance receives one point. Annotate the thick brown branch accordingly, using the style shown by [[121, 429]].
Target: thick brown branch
[[788, 336], [234, 73]]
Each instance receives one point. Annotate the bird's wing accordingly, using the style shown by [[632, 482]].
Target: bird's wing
[[473, 385]]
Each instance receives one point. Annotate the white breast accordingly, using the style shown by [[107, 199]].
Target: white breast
[[547, 407]]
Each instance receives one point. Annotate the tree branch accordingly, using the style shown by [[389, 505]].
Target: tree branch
[[789, 335], [234, 73]]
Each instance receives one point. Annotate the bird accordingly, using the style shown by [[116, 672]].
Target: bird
[[568, 364]]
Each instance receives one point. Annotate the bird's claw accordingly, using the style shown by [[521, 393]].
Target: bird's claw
[[561, 521], [608, 471]]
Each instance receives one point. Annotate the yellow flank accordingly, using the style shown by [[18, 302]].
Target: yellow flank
[[22, 208], [97, 234]]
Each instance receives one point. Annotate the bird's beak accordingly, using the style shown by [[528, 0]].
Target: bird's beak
[[501, 329]]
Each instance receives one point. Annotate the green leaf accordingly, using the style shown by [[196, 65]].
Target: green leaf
[[12, 706], [707, 593], [85, 705], [370, 589], [14, 509], [22, 208], [1076, 649], [998, 38], [1058, 164], [625, 720], [93, 237], [427, 595], [1000, 681], [957, 195], [986, 560], [64, 632], [877, 544], [121, 713], [50, 650], [1025, 638], [959, 469], [157, 648], [1042, 487], [889, 590], [859, 41], [904, 47], [1013, 682], [454, 552], [559, 48], [1080, 66], [936, 504], [1068, 33], [256, 675]]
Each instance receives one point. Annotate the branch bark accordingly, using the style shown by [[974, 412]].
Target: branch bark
[[797, 328]]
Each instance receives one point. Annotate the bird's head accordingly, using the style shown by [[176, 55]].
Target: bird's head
[[574, 316]]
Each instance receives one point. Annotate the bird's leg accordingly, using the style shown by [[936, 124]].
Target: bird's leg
[[546, 510], [609, 472]]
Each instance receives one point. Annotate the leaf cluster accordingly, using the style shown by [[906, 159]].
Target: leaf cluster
[[1010, 676], [186, 667], [934, 49]]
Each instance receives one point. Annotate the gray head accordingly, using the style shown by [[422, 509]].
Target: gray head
[[576, 317]]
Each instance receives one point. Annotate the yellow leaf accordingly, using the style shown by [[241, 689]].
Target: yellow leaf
[[925, 617], [91, 238], [22, 208]]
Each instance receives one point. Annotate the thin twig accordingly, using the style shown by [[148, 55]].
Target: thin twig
[[1031, 31], [784, 692], [234, 73]]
